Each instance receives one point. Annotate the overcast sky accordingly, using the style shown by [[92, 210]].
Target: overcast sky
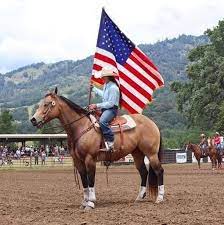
[[53, 30]]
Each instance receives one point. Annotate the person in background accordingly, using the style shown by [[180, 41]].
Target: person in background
[[47, 150], [36, 157], [221, 143], [43, 157], [217, 141], [18, 153], [203, 144]]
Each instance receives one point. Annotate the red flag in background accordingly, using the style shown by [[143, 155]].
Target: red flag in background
[[138, 76]]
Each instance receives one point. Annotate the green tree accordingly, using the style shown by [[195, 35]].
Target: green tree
[[200, 99], [7, 123]]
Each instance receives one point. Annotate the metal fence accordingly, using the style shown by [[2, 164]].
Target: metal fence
[[26, 162], [169, 156]]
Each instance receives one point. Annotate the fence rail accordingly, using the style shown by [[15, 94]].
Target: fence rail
[[26, 162], [169, 156]]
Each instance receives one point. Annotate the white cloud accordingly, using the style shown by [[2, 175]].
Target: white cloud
[[52, 30]]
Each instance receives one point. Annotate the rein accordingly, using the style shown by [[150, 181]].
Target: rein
[[67, 124], [52, 104]]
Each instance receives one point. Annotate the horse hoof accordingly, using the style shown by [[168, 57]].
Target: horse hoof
[[83, 204], [159, 199], [89, 206], [140, 198]]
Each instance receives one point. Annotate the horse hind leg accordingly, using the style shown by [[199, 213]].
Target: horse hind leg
[[141, 167], [155, 180]]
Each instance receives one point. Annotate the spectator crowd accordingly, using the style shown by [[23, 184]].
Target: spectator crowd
[[39, 153]]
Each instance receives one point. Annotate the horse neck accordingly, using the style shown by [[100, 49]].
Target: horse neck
[[194, 148], [70, 119]]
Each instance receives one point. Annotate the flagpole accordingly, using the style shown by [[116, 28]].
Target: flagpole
[[90, 92]]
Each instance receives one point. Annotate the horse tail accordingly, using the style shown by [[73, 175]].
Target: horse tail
[[160, 152]]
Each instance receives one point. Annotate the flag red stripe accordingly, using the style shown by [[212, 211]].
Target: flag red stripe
[[128, 107], [144, 58], [97, 67], [99, 81], [132, 97], [135, 85], [139, 75], [105, 59], [146, 70]]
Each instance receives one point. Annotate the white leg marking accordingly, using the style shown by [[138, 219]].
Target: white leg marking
[[141, 194], [85, 197], [161, 192], [92, 194]]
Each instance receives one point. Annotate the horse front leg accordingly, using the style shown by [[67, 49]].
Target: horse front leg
[[199, 164], [90, 164], [80, 166]]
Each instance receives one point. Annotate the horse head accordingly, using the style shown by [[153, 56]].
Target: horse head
[[48, 109], [189, 146]]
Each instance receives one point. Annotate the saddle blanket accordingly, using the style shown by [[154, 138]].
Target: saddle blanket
[[130, 124]]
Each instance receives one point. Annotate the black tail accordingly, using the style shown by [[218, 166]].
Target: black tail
[[160, 153]]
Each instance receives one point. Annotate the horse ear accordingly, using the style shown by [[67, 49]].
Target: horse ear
[[56, 90]]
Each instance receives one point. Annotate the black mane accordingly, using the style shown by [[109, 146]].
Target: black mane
[[75, 107]]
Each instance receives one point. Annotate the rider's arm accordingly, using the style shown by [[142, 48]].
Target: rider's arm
[[112, 98], [98, 91]]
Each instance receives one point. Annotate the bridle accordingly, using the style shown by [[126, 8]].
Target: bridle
[[51, 104]]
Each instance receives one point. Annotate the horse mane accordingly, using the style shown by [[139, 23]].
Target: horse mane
[[74, 106]]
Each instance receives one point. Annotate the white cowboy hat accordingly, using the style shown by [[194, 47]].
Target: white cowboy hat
[[105, 72], [217, 133]]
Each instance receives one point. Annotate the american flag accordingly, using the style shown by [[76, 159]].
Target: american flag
[[138, 76]]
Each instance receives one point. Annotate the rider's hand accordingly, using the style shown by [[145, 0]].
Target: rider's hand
[[92, 107]]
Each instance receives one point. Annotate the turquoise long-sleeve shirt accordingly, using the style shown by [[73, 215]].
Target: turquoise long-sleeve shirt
[[110, 95]]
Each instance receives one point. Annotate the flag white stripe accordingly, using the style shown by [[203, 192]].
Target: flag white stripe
[[151, 69], [106, 53], [133, 91], [135, 79], [131, 103], [104, 64], [142, 72]]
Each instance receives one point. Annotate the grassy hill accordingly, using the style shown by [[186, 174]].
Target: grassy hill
[[21, 89]]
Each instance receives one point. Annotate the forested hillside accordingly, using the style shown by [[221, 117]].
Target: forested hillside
[[201, 99], [21, 89]]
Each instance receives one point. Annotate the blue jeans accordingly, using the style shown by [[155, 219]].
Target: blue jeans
[[106, 117], [218, 147]]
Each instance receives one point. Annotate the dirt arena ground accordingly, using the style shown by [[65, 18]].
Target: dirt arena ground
[[51, 197]]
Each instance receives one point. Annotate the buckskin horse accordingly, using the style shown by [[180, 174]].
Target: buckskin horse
[[84, 141]]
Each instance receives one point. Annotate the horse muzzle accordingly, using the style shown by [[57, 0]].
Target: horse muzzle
[[36, 123]]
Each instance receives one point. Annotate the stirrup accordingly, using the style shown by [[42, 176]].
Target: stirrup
[[109, 146]]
